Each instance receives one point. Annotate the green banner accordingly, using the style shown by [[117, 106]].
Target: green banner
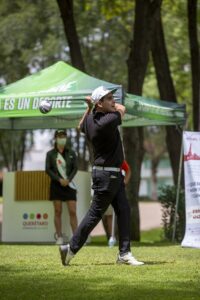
[[142, 111]]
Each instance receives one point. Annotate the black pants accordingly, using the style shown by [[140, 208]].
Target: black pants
[[108, 189]]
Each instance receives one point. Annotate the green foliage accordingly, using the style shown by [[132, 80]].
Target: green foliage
[[31, 37], [152, 236], [175, 21], [167, 197], [105, 29], [175, 24]]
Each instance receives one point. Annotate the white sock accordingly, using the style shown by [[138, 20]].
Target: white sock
[[64, 247]]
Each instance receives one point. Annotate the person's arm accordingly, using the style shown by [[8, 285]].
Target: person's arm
[[48, 167], [87, 112], [120, 108], [126, 172], [127, 176]]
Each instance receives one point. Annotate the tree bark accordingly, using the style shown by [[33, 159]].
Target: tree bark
[[145, 12], [67, 15], [5, 154], [195, 61], [167, 92], [134, 152]]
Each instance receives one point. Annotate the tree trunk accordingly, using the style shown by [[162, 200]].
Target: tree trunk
[[195, 61], [5, 154], [154, 165], [23, 150], [67, 15], [137, 65], [133, 138], [167, 92]]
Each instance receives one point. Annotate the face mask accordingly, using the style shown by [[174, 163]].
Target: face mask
[[61, 141]]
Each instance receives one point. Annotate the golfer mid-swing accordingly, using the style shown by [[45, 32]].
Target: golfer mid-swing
[[101, 130]]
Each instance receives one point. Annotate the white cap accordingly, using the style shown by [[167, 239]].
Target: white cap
[[100, 92]]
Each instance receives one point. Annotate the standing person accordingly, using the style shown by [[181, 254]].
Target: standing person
[[61, 166], [101, 129], [108, 216]]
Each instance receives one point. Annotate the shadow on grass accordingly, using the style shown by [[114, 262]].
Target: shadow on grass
[[73, 284], [99, 264]]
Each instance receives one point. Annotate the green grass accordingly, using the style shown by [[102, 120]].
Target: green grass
[[34, 272]]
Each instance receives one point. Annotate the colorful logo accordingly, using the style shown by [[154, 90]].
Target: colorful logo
[[35, 220]]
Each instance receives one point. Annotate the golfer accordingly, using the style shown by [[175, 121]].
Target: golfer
[[101, 130]]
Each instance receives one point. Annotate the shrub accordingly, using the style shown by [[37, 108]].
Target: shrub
[[167, 197]]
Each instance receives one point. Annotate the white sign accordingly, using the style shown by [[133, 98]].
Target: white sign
[[191, 142], [33, 221]]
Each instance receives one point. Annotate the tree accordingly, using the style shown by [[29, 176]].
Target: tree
[[167, 90], [67, 15], [145, 13], [34, 42], [35, 37], [66, 8]]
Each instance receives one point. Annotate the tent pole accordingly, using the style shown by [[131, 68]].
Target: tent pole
[[12, 146], [178, 190]]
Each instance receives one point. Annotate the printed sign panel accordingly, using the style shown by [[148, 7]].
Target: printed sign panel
[[33, 221], [191, 144]]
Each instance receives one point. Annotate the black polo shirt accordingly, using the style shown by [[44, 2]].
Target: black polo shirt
[[101, 130]]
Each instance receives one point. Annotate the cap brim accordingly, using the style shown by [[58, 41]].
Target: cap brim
[[110, 91], [113, 90]]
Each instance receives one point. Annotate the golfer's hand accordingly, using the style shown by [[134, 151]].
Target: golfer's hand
[[120, 108], [64, 182], [89, 102]]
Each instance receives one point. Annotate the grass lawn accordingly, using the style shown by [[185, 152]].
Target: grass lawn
[[35, 272]]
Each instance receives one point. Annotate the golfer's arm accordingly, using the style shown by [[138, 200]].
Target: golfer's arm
[[87, 112], [120, 108]]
